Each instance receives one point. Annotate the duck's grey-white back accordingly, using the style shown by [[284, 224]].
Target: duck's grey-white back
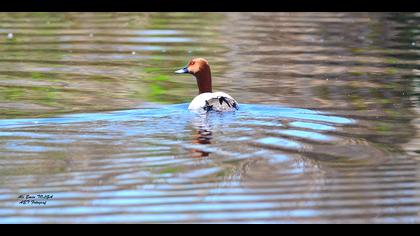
[[218, 101]]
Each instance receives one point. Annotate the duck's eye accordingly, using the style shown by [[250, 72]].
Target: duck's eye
[[192, 63]]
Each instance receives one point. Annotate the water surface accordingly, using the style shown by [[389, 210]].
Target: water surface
[[327, 131]]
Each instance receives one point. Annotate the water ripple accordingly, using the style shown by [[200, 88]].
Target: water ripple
[[91, 112]]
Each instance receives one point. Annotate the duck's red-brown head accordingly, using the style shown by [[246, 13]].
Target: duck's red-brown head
[[199, 67]]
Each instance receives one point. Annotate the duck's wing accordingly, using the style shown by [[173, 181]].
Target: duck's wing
[[221, 103]]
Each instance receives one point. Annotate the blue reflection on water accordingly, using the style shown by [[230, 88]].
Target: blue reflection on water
[[294, 113], [314, 126], [306, 135], [179, 112], [280, 142], [157, 32], [153, 125]]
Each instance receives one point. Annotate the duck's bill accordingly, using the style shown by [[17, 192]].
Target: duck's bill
[[182, 71]]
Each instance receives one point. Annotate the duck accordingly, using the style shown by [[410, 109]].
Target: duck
[[207, 100]]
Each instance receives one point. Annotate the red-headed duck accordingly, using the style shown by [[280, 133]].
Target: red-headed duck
[[207, 100]]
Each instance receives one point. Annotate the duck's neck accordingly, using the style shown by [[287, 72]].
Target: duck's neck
[[204, 81]]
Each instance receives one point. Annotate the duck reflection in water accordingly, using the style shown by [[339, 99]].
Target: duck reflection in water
[[202, 135]]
